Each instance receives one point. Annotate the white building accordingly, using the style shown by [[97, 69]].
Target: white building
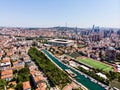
[[118, 67], [61, 42], [5, 62], [101, 75], [73, 64]]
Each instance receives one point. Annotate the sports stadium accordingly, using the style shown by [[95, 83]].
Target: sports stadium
[[61, 42]]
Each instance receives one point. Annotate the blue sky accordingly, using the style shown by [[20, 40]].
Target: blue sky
[[48, 13]]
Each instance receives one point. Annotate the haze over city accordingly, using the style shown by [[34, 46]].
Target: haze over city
[[50, 13], [60, 45]]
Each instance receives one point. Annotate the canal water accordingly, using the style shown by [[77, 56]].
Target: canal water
[[79, 78]]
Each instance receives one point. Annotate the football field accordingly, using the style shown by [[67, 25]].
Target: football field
[[96, 64]]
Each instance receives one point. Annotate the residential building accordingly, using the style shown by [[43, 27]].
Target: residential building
[[5, 63], [26, 85], [7, 74]]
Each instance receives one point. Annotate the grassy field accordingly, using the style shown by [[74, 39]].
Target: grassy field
[[96, 64]]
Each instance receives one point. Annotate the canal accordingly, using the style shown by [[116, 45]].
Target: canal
[[79, 78]]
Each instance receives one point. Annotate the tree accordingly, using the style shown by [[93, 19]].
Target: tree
[[2, 83], [34, 43], [119, 79], [55, 75], [23, 75], [19, 86], [118, 56]]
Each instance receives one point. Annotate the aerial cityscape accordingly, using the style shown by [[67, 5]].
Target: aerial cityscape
[[60, 45]]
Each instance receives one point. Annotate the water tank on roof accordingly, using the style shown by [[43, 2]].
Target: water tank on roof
[[111, 48]]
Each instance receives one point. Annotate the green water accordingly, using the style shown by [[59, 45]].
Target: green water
[[79, 78]]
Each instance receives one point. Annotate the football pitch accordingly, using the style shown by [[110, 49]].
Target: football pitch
[[96, 64]]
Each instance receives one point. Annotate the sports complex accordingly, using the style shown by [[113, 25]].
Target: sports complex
[[96, 64], [60, 42]]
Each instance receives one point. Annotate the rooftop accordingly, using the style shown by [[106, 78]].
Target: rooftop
[[111, 48], [6, 72], [26, 85], [6, 59], [60, 40]]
